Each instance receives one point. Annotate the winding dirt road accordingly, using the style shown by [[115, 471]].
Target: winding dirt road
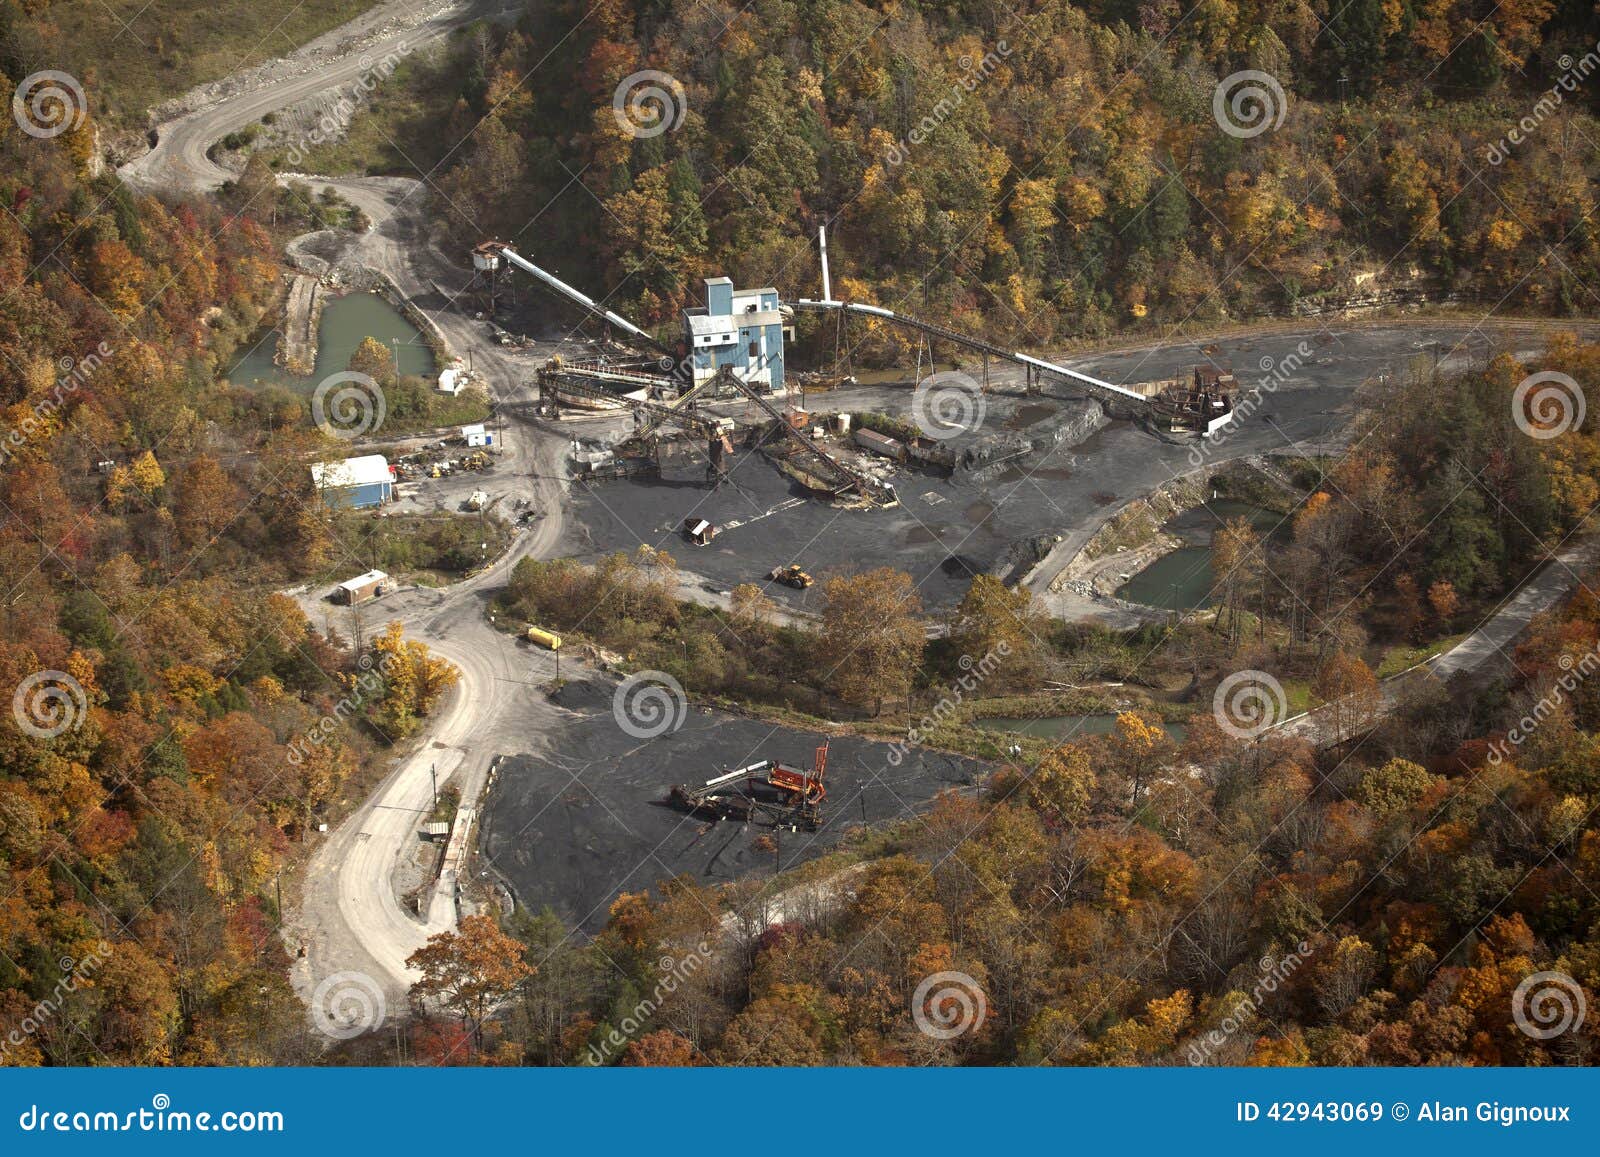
[[178, 163], [351, 919]]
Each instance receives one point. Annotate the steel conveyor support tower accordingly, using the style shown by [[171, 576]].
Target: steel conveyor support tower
[[486, 254]]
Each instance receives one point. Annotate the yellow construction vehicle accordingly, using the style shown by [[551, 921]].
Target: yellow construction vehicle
[[791, 576]]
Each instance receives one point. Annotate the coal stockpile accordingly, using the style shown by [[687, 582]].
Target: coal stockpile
[[1023, 474], [930, 527], [574, 826]]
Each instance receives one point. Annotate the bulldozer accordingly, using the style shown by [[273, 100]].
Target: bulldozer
[[791, 576]]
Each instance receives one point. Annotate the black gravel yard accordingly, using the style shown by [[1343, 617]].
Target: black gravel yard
[[572, 827]]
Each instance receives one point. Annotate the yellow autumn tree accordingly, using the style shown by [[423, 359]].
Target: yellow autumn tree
[[1062, 784], [147, 474], [407, 680]]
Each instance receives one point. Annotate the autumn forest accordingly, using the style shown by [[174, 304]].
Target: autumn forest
[[1049, 173]]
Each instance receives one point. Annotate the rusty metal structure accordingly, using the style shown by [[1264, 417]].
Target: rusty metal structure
[[767, 791], [658, 401], [1197, 403]]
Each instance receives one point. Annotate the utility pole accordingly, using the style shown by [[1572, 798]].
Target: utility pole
[[433, 772]]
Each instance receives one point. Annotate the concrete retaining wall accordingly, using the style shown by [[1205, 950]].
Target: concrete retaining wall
[[297, 333]]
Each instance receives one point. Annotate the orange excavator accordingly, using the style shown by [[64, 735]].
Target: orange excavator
[[793, 780], [801, 793]]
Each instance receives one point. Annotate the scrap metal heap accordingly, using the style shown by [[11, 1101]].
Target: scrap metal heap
[[767, 791], [658, 401]]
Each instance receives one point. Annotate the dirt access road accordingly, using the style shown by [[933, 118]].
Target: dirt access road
[[197, 120], [1493, 639], [351, 920]]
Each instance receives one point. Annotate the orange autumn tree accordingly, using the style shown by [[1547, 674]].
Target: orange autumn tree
[[1348, 693], [470, 970]]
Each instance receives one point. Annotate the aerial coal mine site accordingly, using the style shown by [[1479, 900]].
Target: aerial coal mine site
[[814, 535]]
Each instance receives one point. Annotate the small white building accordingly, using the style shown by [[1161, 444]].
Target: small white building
[[363, 587], [452, 381], [359, 482], [476, 436]]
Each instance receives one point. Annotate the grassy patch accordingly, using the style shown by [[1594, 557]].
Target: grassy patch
[[415, 407], [405, 544], [448, 804], [131, 55], [439, 411], [1297, 693], [1397, 659]]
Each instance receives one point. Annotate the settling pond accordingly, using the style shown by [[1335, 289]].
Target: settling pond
[[1182, 580], [345, 322]]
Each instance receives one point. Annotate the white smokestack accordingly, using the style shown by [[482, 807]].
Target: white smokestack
[[822, 241]]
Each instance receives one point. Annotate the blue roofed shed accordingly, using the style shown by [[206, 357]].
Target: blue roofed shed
[[355, 482]]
